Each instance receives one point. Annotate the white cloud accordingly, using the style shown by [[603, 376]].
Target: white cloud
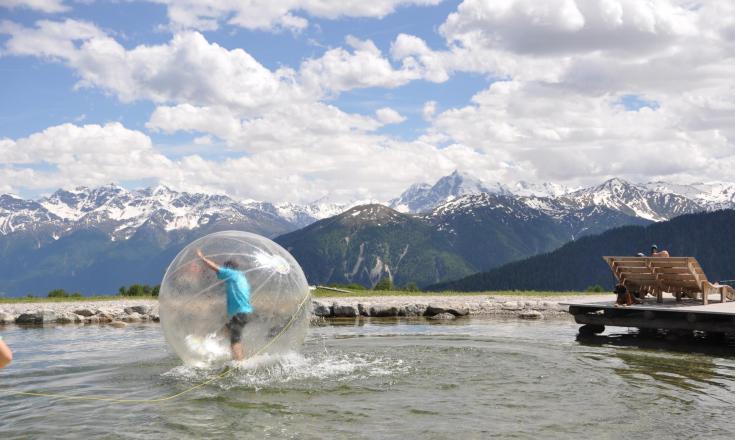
[[287, 126], [428, 110], [339, 70], [342, 161], [416, 56], [554, 111], [552, 133], [364, 169], [68, 155], [48, 6], [188, 69], [584, 42], [203, 140], [387, 115], [274, 14], [564, 66]]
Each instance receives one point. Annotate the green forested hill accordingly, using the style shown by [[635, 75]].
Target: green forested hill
[[369, 242], [710, 237]]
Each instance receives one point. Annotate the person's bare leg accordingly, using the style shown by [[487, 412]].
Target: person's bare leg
[[237, 351]]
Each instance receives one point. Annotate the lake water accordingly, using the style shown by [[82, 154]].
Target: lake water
[[472, 378]]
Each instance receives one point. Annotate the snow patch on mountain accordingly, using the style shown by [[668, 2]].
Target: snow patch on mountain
[[712, 195], [546, 189], [422, 197]]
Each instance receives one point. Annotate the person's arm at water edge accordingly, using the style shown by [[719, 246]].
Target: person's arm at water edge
[[6, 355]]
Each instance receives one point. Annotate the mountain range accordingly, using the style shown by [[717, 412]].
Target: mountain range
[[96, 239], [708, 236]]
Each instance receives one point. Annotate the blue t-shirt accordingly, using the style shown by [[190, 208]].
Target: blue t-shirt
[[238, 291]]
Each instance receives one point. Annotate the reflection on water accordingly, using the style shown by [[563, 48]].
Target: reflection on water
[[686, 362], [392, 379]]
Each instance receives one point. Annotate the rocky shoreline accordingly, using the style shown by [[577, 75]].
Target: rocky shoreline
[[121, 312], [446, 307], [113, 312]]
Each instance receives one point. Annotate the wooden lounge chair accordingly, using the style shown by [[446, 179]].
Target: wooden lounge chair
[[677, 275]]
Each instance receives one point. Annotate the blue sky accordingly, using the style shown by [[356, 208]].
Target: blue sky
[[28, 81], [295, 100]]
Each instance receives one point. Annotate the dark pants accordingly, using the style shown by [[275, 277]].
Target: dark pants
[[235, 326]]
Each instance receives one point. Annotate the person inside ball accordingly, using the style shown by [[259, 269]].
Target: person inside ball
[[239, 309]]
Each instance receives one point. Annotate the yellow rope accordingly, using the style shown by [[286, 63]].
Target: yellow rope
[[222, 375]]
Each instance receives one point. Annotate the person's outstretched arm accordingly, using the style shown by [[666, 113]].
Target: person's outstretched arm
[[211, 264], [6, 356]]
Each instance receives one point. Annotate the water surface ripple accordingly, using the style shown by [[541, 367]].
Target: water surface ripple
[[394, 380]]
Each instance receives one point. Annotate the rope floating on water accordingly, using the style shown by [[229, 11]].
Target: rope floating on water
[[227, 371]]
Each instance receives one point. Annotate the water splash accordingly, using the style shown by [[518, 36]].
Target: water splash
[[275, 370], [210, 348]]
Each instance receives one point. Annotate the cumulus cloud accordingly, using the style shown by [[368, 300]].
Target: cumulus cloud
[[48, 6], [274, 14], [187, 69], [554, 133], [562, 68], [339, 69], [344, 171], [387, 115], [69, 154], [555, 108], [590, 43], [287, 126], [340, 162]]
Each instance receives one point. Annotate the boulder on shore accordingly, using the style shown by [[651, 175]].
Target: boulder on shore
[[6, 318], [140, 309], [363, 309], [133, 317], [413, 310], [444, 316], [382, 311], [68, 318], [530, 314], [318, 308], [43, 316], [344, 311], [434, 309]]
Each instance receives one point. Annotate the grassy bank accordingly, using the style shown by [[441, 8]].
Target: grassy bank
[[318, 293], [25, 299], [324, 293]]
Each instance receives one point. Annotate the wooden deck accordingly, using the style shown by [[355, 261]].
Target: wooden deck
[[687, 315]]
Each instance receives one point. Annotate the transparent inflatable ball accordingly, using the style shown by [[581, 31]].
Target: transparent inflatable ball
[[194, 298]]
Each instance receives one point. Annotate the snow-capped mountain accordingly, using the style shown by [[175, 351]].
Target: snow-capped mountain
[[656, 201], [634, 200], [17, 214], [715, 195], [303, 215], [423, 197], [119, 212], [96, 239]]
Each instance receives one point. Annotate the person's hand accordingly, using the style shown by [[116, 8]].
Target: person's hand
[[200, 254]]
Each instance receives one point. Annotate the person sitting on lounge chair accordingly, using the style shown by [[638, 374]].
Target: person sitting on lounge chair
[[655, 252]]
